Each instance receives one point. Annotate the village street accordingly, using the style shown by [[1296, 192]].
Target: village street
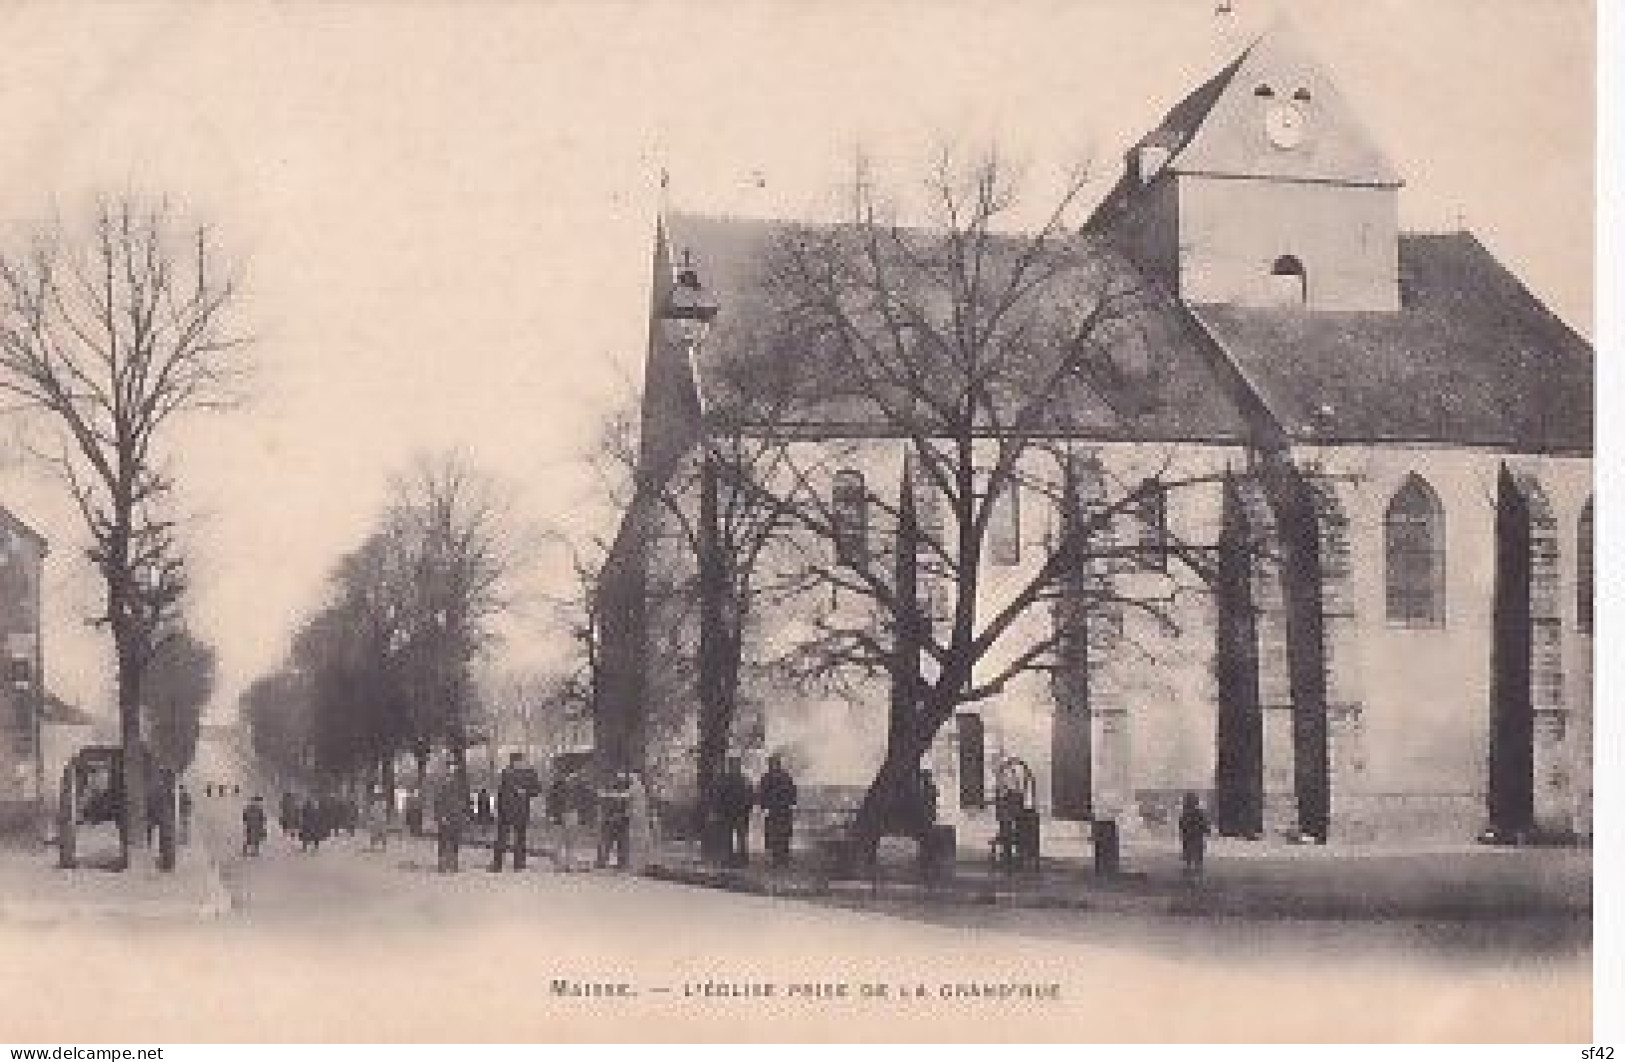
[[347, 944]]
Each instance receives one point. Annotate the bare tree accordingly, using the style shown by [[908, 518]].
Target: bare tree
[[108, 335], [725, 533], [991, 356], [465, 551]]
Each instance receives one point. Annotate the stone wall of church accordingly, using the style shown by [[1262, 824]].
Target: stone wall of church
[[1408, 704], [1422, 729], [1232, 231]]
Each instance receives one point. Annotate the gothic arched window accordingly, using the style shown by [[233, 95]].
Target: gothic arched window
[[1413, 547]]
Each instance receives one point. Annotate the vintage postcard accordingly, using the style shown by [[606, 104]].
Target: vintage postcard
[[829, 521]]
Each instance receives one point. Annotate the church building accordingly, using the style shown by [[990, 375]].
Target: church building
[[1411, 657]]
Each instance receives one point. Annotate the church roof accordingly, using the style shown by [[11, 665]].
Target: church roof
[[1472, 358], [1219, 128], [1179, 395]]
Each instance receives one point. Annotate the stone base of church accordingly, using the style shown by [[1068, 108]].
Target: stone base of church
[[1406, 818]]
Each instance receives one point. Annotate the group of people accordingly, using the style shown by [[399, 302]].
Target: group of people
[[736, 798], [310, 820], [620, 809]]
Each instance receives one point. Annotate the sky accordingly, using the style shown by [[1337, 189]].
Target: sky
[[444, 212]]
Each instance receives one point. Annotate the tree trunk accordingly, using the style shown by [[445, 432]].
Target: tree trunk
[[719, 663], [133, 823]]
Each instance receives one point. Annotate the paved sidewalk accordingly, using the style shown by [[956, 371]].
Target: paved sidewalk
[[1458, 883], [34, 889]]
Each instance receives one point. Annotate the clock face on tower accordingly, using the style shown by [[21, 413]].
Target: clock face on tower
[[1284, 125]]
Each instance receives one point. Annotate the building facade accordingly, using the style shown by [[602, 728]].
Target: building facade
[[1395, 427], [22, 767]]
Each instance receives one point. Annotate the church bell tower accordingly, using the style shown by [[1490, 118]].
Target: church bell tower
[[1261, 188]]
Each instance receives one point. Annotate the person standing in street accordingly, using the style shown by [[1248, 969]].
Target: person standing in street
[[1193, 831], [615, 819], [184, 802], [450, 817], [777, 794], [253, 826], [377, 820], [735, 799], [288, 814], [312, 826], [517, 786]]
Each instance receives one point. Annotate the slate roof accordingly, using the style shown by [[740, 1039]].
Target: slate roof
[[1180, 397], [1472, 358]]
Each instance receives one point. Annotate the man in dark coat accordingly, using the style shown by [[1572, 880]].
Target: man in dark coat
[[735, 798], [1193, 831], [516, 787], [777, 794], [183, 802], [450, 818], [312, 825], [615, 820], [253, 827], [288, 815]]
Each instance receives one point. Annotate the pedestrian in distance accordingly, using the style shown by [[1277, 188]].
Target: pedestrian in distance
[[377, 821], [735, 799], [777, 795], [183, 801], [253, 826], [482, 807], [517, 786], [288, 814], [413, 813], [615, 820], [1193, 831], [450, 819], [312, 826]]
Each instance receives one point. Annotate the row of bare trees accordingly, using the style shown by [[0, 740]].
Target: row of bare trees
[[388, 664]]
